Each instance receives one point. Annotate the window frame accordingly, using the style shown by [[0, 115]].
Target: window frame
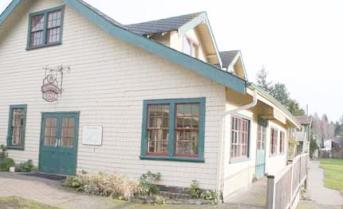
[[276, 152], [282, 142], [261, 137], [45, 29], [240, 158], [171, 155], [9, 128]]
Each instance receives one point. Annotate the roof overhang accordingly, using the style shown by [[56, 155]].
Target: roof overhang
[[279, 113], [204, 69]]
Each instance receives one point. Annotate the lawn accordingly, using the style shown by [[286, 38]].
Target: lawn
[[20, 203], [333, 172]]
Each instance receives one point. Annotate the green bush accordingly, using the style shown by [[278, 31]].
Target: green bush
[[6, 163], [147, 183], [3, 152], [101, 184], [210, 195], [194, 190], [25, 167]]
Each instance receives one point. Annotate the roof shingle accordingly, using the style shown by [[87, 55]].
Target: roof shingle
[[161, 25]]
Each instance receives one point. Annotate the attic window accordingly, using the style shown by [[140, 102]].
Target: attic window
[[45, 28], [190, 47]]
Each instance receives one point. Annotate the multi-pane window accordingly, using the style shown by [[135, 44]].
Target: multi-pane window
[[239, 137], [173, 129], [261, 137], [45, 28], [158, 129], [187, 129], [16, 127], [190, 47], [50, 132], [282, 142], [67, 132], [273, 141]]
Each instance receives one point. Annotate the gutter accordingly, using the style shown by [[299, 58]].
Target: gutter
[[222, 143]]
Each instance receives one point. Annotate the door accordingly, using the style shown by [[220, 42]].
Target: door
[[261, 152], [58, 143]]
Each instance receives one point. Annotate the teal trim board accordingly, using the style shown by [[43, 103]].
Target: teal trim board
[[171, 136]]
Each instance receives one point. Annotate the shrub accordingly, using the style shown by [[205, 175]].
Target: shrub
[[210, 195], [104, 185], [25, 167], [3, 151], [147, 183], [194, 190], [6, 163]]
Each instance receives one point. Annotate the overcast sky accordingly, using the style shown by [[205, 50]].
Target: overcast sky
[[299, 42]]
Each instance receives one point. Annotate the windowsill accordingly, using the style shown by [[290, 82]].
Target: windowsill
[[239, 160], [166, 158], [43, 46], [11, 147]]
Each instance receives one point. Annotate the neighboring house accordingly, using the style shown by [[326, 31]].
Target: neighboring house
[[303, 134], [80, 91]]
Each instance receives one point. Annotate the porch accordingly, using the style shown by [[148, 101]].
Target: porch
[[253, 196]]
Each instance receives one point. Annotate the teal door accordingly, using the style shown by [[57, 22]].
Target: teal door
[[261, 152], [58, 143]]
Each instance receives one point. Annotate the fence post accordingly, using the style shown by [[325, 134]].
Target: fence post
[[270, 192]]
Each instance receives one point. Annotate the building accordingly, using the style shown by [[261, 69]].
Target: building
[[303, 134], [80, 91]]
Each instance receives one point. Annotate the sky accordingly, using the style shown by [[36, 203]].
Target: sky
[[299, 42]]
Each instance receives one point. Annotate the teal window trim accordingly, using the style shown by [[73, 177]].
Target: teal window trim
[[9, 130], [171, 137], [45, 34]]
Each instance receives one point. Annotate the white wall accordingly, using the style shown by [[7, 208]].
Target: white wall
[[239, 175], [108, 82]]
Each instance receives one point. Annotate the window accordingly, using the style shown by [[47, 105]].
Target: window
[[261, 137], [173, 129], [190, 47], [16, 127], [239, 137], [282, 142], [45, 28], [273, 141]]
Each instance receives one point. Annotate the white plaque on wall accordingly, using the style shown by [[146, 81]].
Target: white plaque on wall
[[92, 135]]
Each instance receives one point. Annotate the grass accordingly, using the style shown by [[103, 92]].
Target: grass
[[21, 203], [333, 173]]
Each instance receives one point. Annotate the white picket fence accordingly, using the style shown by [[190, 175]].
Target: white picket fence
[[284, 188]]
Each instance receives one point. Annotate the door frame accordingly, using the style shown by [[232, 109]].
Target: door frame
[[76, 114], [265, 152]]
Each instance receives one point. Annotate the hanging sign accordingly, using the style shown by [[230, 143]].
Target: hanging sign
[[52, 83]]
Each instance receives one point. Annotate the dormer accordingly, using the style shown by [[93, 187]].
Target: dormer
[[232, 62], [190, 34]]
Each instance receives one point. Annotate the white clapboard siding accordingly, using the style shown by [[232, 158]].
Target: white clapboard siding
[[108, 82]]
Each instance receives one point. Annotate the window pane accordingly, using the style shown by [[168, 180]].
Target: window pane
[[187, 129], [239, 137], [54, 19], [50, 132], [37, 38], [37, 23], [18, 125], [67, 133], [54, 35], [158, 129]]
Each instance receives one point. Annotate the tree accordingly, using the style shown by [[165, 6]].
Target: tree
[[262, 81], [279, 92]]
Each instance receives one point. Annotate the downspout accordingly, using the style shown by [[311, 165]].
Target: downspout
[[221, 166]]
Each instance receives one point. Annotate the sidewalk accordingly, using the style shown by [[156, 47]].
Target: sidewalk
[[317, 192]]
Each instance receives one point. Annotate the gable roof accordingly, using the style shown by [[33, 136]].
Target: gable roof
[[117, 30], [161, 25], [228, 57]]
